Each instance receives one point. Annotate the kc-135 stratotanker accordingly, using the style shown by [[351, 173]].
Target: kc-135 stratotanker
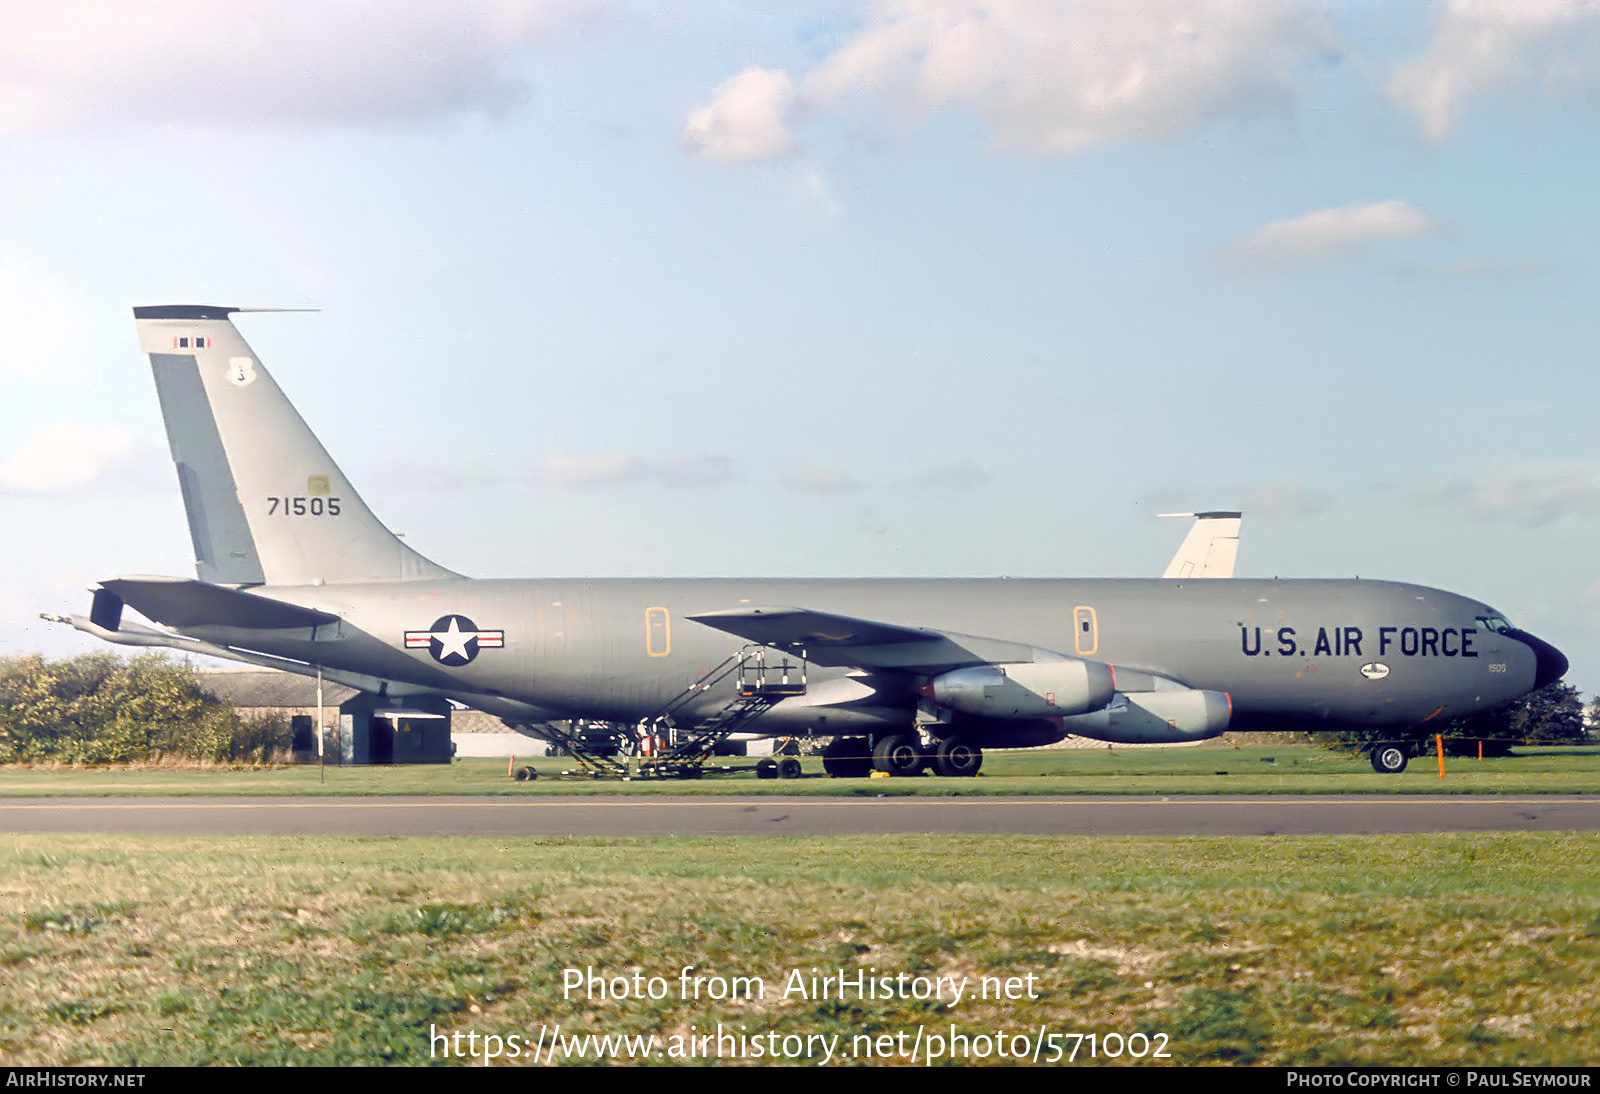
[[295, 572]]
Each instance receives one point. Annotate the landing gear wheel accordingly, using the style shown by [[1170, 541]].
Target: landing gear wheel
[[526, 774], [789, 768], [957, 759], [767, 769], [847, 758], [899, 754], [1389, 759]]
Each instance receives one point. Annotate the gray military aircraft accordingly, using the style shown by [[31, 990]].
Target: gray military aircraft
[[295, 572]]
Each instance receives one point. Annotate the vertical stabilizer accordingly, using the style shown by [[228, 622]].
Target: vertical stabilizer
[[266, 504], [1210, 548]]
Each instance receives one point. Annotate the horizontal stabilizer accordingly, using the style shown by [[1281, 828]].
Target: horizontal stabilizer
[[185, 602], [138, 635]]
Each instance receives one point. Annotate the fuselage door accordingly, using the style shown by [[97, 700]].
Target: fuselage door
[[657, 632], [1085, 631]]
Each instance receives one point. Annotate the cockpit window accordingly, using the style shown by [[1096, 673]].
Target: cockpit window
[[1495, 623]]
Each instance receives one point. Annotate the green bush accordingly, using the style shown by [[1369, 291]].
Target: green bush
[[261, 739], [99, 709]]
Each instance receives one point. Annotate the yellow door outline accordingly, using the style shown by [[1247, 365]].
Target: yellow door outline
[[1085, 630], [657, 632]]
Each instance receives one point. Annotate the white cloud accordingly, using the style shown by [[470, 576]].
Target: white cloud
[[1532, 494], [1051, 76], [430, 478], [954, 476], [606, 467], [69, 459], [745, 120], [1331, 234], [616, 468], [817, 479], [815, 195], [1546, 46], [1287, 499], [694, 471], [598, 469], [108, 63]]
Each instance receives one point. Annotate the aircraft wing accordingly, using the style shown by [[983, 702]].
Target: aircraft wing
[[833, 640], [804, 627], [987, 677], [185, 602]]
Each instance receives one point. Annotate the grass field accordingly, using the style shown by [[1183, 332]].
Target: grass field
[[1255, 769], [1460, 949]]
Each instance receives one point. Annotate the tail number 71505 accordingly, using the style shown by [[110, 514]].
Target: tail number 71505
[[303, 507]]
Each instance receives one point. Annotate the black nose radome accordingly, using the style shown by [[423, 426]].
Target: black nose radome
[[1551, 663]]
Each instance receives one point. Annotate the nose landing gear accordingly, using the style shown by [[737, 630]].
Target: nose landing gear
[[1389, 759]]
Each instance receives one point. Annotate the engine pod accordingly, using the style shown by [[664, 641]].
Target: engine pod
[[1038, 689], [1169, 716]]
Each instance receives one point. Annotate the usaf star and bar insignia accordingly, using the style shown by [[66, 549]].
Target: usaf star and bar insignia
[[454, 640]]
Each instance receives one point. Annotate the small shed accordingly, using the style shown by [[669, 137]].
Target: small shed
[[358, 728]]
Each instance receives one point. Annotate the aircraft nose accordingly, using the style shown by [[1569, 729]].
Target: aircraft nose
[[1550, 664]]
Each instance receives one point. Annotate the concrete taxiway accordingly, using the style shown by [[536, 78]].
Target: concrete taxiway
[[745, 816]]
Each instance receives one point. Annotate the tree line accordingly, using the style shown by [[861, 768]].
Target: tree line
[[1553, 715], [103, 709]]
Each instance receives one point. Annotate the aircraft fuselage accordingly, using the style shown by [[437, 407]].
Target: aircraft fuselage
[[1329, 652]]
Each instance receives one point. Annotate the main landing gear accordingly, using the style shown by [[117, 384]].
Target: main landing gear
[[847, 758], [957, 758], [901, 755]]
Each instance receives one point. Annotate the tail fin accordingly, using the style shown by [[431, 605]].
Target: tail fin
[[265, 502], [1210, 548]]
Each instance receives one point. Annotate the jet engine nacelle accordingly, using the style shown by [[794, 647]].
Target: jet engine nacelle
[[1156, 717], [1038, 689]]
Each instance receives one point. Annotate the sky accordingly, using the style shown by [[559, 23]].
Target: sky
[[855, 288]]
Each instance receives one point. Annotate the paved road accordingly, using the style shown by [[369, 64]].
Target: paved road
[[743, 816]]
